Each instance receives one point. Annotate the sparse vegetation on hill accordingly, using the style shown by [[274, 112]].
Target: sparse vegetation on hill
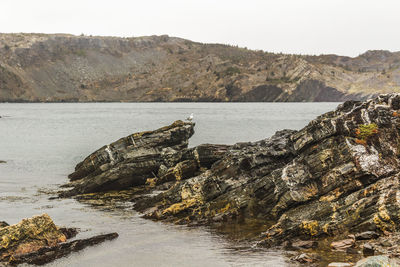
[[61, 67]]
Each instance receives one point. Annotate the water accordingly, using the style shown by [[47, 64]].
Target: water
[[43, 142]]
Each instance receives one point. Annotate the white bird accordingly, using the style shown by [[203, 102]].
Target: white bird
[[190, 118]]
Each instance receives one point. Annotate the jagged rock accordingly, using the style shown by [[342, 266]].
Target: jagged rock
[[338, 174], [28, 236], [38, 240], [367, 235], [131, 160], [3, 224], [47, 254]]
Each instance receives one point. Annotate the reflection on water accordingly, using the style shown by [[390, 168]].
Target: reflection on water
[[43, 142]]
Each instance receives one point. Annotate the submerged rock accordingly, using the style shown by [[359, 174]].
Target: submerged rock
[[38, 240]]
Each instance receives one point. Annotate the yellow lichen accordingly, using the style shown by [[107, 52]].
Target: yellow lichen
[[383, 221], [310, 227], [333, 195], [224, 209], [181, 206], [325, 228]]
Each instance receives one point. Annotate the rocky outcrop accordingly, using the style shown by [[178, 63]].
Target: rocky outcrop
[[337, 176], [67, 68], [154, 157], [38, 240], [29, 235]]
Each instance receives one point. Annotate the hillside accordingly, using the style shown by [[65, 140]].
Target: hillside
[[61, 67]]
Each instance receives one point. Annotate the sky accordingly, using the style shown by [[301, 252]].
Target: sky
[[344, 27]]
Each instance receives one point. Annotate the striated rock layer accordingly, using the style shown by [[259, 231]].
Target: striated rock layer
[[38, 240], [338, 174], [161, 155]]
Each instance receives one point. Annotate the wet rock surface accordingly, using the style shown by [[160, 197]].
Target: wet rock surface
[[38, 240], [337, 176]]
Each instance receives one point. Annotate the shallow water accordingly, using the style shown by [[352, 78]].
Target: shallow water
[[43, 142]]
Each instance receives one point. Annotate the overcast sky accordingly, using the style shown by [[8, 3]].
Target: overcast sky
[[345, 27]]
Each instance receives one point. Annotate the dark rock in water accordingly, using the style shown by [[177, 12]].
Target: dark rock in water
[[2, 161], [367, 235], [48, 254], [368, 250], [305, 258], [338, 175], [38, 240], [3, 224], [131, 160], [29, 235]]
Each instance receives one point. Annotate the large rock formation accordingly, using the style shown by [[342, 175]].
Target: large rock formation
[[62, 67], [153, 156], [338, 175]]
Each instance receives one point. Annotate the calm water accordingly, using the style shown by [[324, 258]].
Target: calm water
[[43, 142]]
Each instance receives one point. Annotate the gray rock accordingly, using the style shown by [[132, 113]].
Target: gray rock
[[377, 261], [339, 264], [367, 235], [130, 160]]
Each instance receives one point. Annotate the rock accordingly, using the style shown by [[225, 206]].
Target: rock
[[28, 236], [343, 244], [183, 170], [48, 254], [339, 264], [386, 243], [337, 174], [38, 241], [131, 160], [377, 261], [304, 258], [207, 154], [368, 250], [2, 161], [3, 224], [304, 244], [367, 235]]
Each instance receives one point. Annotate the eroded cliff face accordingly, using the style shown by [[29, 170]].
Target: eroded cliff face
[[60, 67]]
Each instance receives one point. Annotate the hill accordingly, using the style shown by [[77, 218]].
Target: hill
[[68, 68]]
